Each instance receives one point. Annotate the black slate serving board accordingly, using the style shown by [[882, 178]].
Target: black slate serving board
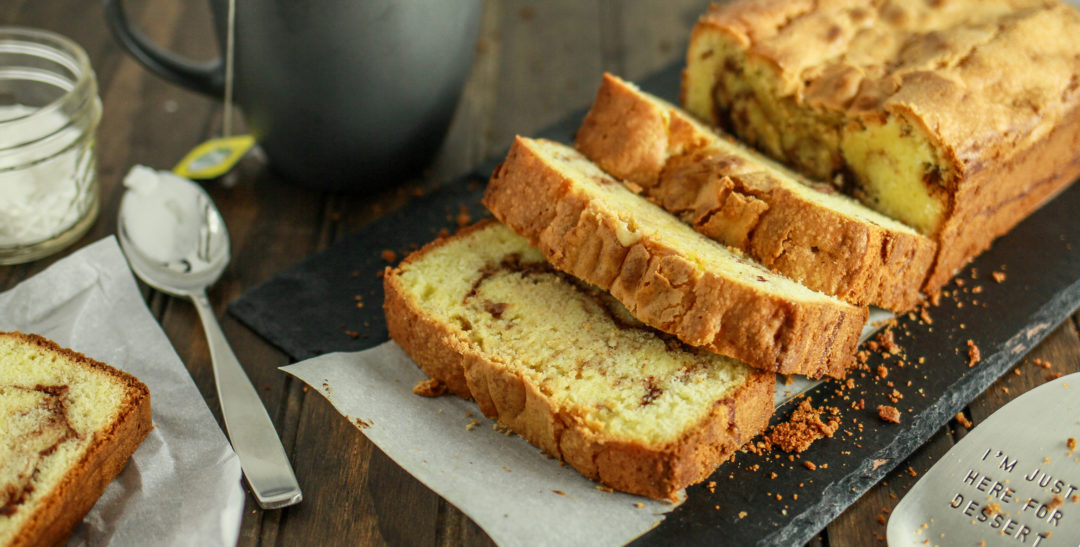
[[307, 310]]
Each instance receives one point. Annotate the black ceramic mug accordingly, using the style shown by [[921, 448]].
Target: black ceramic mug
[[341, 94]]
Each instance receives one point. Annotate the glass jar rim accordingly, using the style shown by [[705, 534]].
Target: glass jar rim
[[57, 48]]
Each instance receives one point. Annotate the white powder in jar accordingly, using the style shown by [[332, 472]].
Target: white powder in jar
[[44, 185]]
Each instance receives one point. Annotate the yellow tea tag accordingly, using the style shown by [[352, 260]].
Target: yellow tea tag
[[214, 157]]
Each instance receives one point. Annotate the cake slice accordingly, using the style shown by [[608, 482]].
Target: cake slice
[[68, 424], [957, 118], [806, 231], [669, 276], [565, 366]]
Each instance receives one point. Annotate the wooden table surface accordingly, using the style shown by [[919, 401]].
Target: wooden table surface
[[535, 62]]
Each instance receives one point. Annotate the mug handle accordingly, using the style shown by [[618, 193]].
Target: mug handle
[[207, 78]]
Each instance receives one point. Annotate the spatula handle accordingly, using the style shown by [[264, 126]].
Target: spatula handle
[[248, 425]]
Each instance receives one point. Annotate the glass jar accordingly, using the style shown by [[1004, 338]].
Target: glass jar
[[49, 114]]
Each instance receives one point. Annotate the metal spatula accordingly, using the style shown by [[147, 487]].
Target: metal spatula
[[1013, 480]]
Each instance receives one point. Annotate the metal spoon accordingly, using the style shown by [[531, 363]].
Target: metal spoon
[[175, 240]]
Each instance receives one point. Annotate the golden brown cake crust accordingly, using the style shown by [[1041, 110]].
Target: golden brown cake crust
[[653, 471], [986, 78], [994, 84], [58, 515], [995, 198], [656, 472], [662, 288], [675, 162]]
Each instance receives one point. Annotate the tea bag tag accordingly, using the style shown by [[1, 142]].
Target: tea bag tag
[[1013, 480], [214, 157]]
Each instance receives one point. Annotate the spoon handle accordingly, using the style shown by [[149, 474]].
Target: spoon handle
[[249, 427]]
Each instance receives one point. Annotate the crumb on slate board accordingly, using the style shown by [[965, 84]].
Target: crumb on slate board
[[889, 413], [803, 428], [973, 354]]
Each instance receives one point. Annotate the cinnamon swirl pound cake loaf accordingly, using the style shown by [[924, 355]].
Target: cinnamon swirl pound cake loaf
[[68, 424], [957, 118], [669, 276], [565, 366], [804, 230]]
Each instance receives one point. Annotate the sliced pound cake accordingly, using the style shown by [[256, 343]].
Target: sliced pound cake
[[567, 367], [957, 118], [806, 231], [68, 424], [669, 276]]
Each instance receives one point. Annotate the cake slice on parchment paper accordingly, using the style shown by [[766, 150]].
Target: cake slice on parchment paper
[[804, 230], [68, 425], [669, 276], [565, 365]]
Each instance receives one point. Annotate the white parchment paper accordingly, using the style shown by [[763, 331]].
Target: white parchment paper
[[182, 486], [507, 486]]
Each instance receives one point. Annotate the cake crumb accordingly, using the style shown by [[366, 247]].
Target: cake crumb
[[803, 428], [603, 488], [925, 316], [742, 514], [888, 413], [963, 420], [429, 388], [362, 424], [1054, 376], [888, 342], [973, 354], [1070, 443], [639, 505], [389, 256], [882, 372], [463, 218], [809, 465], [998, 276], [991, 509], [559, 492], [1041, 363], [1056, 502]]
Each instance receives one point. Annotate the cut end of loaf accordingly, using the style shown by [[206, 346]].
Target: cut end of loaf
[[63, 419], [806, 231]]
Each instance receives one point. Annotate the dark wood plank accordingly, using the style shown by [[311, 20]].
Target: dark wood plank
[[1061, 349], [638, 38], [534, 63], [550, 62], [469, 139], [863, 522]]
